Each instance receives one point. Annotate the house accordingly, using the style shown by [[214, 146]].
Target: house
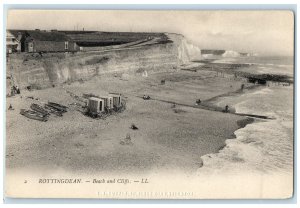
[[48, 41], [12, 43]]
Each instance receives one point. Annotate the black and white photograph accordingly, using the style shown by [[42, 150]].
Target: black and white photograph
[[149, 104]]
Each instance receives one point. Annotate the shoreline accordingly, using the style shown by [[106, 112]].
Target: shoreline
[[242, 124], [249, 151]]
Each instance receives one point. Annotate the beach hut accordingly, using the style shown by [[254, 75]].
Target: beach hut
[[96, 105], [108, 101], [116, 99]]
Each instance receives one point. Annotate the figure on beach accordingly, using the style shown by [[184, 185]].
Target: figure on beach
[[198, 102], [226, 109], [242, 87], [10, 107]]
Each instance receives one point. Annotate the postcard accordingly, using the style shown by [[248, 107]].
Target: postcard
[[149, 104]]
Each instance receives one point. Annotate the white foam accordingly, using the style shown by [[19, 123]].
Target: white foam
[[263, 147]]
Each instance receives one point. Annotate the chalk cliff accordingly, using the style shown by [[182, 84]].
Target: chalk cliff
[[56, 68]]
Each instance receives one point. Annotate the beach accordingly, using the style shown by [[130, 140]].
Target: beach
[[168, 139]]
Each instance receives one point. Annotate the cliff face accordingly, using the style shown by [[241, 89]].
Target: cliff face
[[56, 68], [186, 51]]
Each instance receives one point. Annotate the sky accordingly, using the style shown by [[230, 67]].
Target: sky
[[262, 32]]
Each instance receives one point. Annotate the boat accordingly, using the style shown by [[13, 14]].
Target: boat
[[58, 106], [34, 115], [39, 109], [53, 110]]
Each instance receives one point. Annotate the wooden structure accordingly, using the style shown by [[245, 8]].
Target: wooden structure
[[96, 105], [108, 101], [116, 99]]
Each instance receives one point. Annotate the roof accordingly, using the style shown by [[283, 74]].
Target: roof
[[95, 99], [105, 96], [115, 94], [9, 34], [46, 36]]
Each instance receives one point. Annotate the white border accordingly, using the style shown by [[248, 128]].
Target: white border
[[157, 2]]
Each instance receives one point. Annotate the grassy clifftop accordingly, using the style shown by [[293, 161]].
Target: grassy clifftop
[[49, 69]]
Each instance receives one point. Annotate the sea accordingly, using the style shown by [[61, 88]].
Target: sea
[[266, 145]]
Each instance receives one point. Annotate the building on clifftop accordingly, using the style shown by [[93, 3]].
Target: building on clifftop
[[47, 41]]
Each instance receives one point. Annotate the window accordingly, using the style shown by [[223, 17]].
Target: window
[[66, 45], [100, 106]]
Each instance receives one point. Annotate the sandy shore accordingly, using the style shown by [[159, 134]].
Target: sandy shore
[[167, 139]]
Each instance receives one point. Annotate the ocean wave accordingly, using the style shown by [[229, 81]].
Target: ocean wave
[[265, 146]]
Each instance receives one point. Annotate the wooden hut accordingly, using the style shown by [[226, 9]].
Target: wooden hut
[[117, 99], [96, 105]]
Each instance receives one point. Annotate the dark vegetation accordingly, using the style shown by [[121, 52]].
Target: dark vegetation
[[99, 43], [92, 38], [89, 38]]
